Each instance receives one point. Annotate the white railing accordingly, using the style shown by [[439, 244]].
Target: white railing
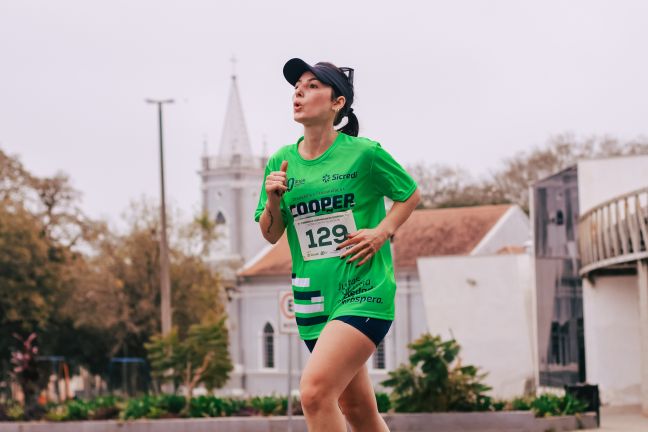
[[614, 232]]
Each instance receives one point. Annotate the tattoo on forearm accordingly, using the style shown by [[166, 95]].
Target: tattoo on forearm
[[271, 221]]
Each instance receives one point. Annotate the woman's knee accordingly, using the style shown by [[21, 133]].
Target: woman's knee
[[357, 411], [314, 394]]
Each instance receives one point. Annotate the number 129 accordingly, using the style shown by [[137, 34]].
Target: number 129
[[339, 235]]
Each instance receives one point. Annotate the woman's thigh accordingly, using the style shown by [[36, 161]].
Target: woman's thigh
[[341, 351]]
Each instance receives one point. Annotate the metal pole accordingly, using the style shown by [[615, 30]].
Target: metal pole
[[165, 281], [290, 425]]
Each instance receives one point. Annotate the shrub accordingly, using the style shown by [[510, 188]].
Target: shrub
[[269, 405], [384, 404], [551, 405], [142, 407], [435, 380], [105, 408], [520, 403], [12, 411]]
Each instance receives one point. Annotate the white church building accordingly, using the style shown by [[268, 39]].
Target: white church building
[[255, 272]]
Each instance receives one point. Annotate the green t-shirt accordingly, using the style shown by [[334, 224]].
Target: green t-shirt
[[326, 197]]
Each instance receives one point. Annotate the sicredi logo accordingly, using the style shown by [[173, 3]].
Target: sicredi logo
[[334, 177]]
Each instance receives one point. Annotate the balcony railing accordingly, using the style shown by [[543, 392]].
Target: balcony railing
[[615, 232]]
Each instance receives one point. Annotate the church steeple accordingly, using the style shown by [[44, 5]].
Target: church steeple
[[230, 186], [234, 141]]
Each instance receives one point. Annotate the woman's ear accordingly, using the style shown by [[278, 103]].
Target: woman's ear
[[339, 103]]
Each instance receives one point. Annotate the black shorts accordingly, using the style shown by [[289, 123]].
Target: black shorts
[[374, 328]]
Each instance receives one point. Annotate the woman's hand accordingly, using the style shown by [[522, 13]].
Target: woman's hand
[[275, 184], [366, 243]]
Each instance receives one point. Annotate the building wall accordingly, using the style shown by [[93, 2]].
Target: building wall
[[612, 343], [236, 195], [485, 302], [611, 312], [512, 229], [600, 180]]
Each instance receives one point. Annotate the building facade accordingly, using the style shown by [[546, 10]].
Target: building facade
[[613, 239], [558, 287], [259, 350]]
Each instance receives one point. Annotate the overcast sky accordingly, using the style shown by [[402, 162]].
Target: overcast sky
[[465, 83]]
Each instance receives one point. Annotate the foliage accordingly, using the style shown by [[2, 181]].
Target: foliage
[[383, 402], [269, 405], [101, 408], [552, 405], [27, 373], [152, 407], [201, 357], [90, 292], [173, 406], [444, 186], [521, 403], [435, 380], [11, 410], [209, 406]]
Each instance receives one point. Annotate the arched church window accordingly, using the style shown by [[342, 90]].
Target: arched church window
[[220, 218], [268, 346]]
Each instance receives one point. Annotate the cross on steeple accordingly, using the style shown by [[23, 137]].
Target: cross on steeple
[[233, 60]]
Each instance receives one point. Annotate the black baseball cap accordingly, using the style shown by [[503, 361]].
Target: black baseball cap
[[339, 78]]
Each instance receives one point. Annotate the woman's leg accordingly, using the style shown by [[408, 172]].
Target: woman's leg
[[358, 404], [341, 351]]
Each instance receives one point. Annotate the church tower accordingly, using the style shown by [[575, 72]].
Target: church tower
[[231, 182]]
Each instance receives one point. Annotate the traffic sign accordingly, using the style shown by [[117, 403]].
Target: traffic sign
[[287, 322]]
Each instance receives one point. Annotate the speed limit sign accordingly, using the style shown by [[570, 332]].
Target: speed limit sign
[[287, 322]]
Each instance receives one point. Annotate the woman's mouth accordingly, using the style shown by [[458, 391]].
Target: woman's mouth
[[297, 106]]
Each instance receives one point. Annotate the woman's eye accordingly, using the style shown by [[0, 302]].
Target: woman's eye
[[312, 86]]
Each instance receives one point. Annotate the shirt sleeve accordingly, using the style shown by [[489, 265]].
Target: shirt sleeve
[[389, 178]]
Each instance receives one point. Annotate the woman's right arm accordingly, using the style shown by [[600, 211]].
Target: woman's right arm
[[271, 223]]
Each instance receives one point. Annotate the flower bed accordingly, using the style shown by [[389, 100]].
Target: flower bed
[[172, 406]]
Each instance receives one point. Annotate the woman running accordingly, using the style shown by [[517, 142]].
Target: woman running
[[328, 191]]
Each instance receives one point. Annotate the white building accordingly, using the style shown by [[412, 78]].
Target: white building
[[613, 239], [259, 351]]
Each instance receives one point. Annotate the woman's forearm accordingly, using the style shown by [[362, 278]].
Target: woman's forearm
[[399, 213], [271, 223]]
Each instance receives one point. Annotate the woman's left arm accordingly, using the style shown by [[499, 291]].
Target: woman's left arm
[[369, 241]]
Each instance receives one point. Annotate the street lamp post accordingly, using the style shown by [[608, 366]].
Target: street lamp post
[[165, 282]]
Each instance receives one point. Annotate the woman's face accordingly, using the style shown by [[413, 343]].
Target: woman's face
[[312, 102]]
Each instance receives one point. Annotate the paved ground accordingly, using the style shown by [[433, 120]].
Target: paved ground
[[622, 420]]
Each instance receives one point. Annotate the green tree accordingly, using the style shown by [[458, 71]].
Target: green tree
[[201, 357]]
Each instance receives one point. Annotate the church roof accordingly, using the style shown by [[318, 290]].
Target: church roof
[[427, 232], [234, 140]]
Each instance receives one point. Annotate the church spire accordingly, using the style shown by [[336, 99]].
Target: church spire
[[234, 140]]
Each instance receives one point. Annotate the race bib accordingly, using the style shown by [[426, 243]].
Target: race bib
[[320, 235]]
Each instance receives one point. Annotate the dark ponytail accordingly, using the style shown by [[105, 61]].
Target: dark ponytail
[[351, 127]]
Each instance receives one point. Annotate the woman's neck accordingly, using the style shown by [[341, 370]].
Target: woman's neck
[[317, 139]]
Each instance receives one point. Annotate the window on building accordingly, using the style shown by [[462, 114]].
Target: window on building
[[268, 346], [379, 356], [220, 218]]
